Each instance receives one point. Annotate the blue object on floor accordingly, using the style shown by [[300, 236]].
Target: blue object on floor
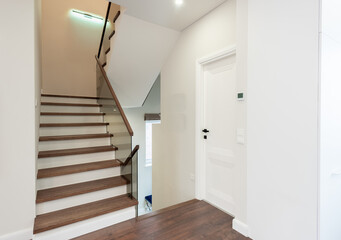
[[149, 198]]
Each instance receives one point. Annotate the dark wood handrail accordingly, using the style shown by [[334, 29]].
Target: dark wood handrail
[[131, 155], [104, 29], [118, 104], [112, 34]]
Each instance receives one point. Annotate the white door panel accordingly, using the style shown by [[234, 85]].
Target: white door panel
[[220, 145]]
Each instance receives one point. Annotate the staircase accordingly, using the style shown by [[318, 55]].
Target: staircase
[[79, 177], [87, 170]]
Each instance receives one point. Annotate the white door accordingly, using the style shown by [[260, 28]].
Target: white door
[[220, 145]]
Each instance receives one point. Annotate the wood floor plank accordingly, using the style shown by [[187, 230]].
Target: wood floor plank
[[75, 151], [50, 194], [60, 171], [67, 216], [192, 220], [165, 210], [74, 137]]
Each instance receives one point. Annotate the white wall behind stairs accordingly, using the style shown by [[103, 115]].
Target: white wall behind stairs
[[19, 76], [138, 52]]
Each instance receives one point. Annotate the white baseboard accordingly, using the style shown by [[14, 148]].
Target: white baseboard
[[240, 227], [24, 234]]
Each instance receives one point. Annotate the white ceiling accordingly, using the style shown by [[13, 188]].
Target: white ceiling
[[138, 51], [166, 13]]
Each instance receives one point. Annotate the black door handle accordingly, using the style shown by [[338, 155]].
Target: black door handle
[[205, 131]]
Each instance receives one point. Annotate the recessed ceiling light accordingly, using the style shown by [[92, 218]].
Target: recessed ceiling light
[[179, 2]]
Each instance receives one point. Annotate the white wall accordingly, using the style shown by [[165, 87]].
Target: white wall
[[138, 51], [330, 211], [241, 53], [69, 46], [282, 119], [38, 73], [136, 119], [17, 121], [174, 139]]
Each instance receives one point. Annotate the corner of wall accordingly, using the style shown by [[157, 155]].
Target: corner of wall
[[240, 227]]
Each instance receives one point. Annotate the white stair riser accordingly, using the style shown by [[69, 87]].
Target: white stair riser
[[68, 100], [87, 226], [47, 108], [58, 131], [52, 182], [74, 159], [73, 201], [70, 119], [68, 144]]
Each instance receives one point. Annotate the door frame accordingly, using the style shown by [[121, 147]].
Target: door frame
[[200, 176]]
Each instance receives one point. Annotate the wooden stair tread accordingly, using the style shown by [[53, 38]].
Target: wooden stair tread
[[67, 216], [111, 34], [117, 16], [67, 96], [75, 151], [73, 124], [78, 168], [70, 104], [70, 114], [50, 194], [74, 137]]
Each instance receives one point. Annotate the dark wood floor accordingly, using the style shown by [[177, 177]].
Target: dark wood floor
[[190, 220]]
